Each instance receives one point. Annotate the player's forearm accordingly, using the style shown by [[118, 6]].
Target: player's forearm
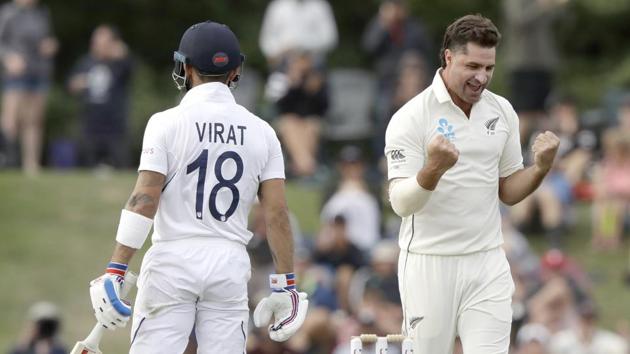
[[142, 203], [122, 254], [280, 240], [429, 176], [517, 186], [146, 194]]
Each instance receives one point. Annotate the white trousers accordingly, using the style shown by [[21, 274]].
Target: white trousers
[[467, 295], [200, 282]]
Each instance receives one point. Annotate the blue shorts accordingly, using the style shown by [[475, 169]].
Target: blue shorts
[[29, 83], [561, 187]]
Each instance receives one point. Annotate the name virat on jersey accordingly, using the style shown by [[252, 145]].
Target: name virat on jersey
[[218, 133]]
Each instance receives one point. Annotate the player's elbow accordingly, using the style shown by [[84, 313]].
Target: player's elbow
[[508, 202], [407, 197], [401, 209], [508, 199]]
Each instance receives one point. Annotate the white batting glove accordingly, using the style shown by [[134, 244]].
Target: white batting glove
[[286, 306], [110, 310]]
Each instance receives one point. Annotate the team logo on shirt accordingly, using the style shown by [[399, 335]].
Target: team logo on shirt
[[397, 155], [491, 125], [396, 158], [446, 129]]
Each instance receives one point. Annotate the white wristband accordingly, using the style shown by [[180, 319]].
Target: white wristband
[[133, 229], [407, 196]]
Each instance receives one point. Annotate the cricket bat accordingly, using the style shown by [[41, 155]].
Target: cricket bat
[[90, 345]]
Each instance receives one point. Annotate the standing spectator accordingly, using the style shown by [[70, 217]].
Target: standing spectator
[[27, 47], [101, 79], [388, 36], [612, 191], [531, 57], [297, 25], [41, 334]]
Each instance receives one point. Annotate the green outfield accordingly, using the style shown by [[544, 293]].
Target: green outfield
[[56, 234]]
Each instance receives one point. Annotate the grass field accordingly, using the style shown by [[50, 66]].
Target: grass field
[[57, 233]]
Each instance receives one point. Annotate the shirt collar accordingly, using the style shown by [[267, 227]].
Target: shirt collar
[[439, 88], [210, 91]]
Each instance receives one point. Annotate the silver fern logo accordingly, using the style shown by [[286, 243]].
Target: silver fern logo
[[491, 125]]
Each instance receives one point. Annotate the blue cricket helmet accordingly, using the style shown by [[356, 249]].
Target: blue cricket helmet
[[210, 47]]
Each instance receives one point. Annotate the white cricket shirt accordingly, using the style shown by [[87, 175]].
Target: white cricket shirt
[[462, 214], [214, 154]]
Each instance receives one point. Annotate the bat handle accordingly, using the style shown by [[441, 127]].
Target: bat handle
[[94, 338]]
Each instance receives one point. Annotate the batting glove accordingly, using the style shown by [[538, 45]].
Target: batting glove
[[110, 310], [286, 306]]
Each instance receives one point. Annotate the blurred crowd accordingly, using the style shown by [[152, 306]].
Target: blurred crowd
[[332, 122]]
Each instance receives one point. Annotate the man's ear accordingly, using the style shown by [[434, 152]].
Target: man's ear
[[448, 56], [235, 74]]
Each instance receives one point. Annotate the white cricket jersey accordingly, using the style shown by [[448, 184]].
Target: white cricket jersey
[[462, 214], [214, 154]]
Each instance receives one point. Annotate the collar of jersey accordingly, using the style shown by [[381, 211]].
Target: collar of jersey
[[211, 91], [439, 88]]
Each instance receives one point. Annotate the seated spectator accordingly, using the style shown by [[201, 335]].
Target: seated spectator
[[301, 107], [587, 337], [532, 339], [553, 306], [612, 191], [334, 250], [102, 80], [41, 336], [354, 202], [553, 200]]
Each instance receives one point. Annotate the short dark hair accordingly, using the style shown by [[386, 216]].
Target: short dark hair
[[470, 28]]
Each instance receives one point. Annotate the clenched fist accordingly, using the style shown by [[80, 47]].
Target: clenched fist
[[442, 154], [545, 148]]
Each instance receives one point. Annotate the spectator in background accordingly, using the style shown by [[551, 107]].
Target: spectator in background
[[27, 47], [612, 191], [554, 200], [101, 79], [586, 337], [295, 37], [532, 339], [297, 25], [334, 250], [41, 333], [387, 38], [301, 108], [353, 200], [411, 78], [374, 298], [531, 57]]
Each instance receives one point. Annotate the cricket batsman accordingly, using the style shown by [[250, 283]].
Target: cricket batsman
[[203, 164]]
